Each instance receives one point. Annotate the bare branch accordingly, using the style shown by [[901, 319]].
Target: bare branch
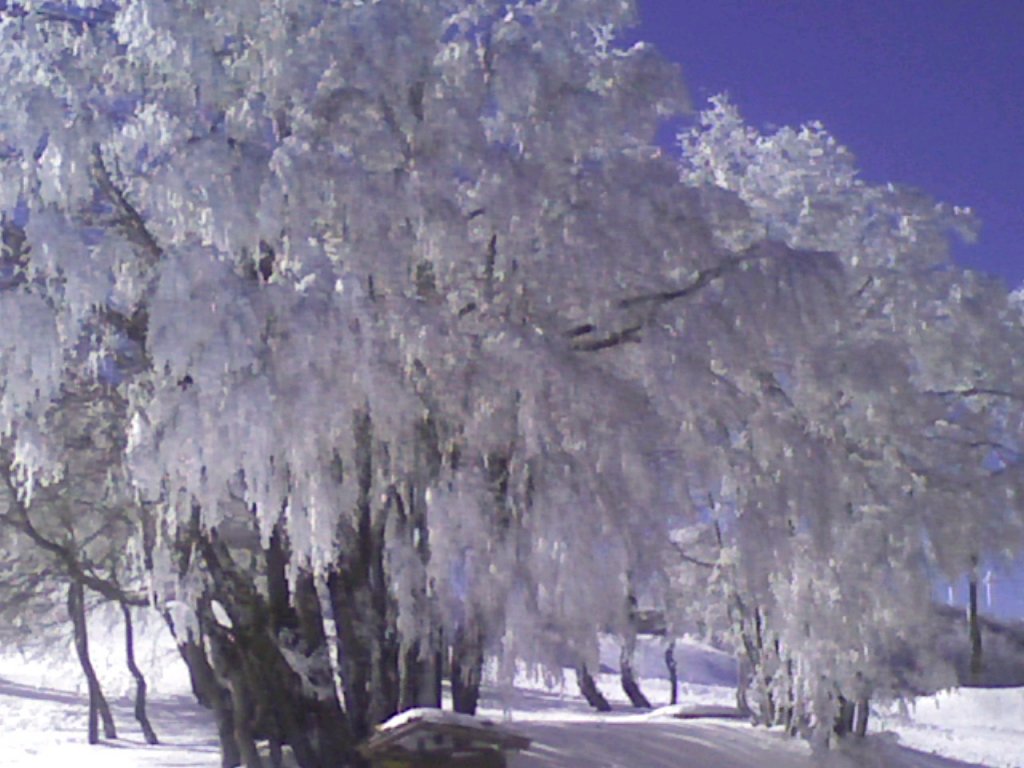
[[649, 303], [977, 392], [690, 558], [76, 569], [629, 335]]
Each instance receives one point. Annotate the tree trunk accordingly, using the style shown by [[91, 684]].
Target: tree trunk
[[743, 684], [769, 714], [422, 665], [210, 691], [367, 638], [467, 668], [228, 664], [974, 625], [787, 711], [844, 717], [270, 698], [140, 681], [353, 653], [210, 694], [98, 707], [590, 691], [332, 737], [673, 673], [860, 726], [421, 674], [243, 709], [368, 648], [629, 684]]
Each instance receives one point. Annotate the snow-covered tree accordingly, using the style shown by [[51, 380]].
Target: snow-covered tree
[[426, 348], [332, 255], [885, 439]]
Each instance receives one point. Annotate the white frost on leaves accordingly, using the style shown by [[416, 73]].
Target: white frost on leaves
[[416, 270], [33, 463], [30, 373]]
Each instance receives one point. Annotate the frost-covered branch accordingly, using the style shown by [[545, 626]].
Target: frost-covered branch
[[130, 219], [76, 567]]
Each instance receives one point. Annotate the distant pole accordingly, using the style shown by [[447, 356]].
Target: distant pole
[[988, 588]]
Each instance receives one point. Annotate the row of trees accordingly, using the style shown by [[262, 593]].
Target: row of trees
[[902, 419], [396, 343]]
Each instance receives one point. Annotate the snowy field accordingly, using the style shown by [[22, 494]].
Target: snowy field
[[43, 721]]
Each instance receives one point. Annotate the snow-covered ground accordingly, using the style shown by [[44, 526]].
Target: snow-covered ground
[[43, 720], [977, 725]]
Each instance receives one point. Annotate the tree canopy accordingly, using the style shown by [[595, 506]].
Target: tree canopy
[[409, 320]]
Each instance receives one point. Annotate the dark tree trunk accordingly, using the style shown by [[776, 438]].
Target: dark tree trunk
[[467, 666], [423, 663], [210, 691], [98, 707], [590, 691], [353, 638], [421, 674], [140, 680], [860, 726], [212, 695], [228, 665], [332, 736], [787, 714], [974, 624], [743, 684], [278, 593], [410, 674], [244, 710], [673, 673], [770, 713], [269, 698], [362, 608], [844, 717], [368, 648], [629, 684]]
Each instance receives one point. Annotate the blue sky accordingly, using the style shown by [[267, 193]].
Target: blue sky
[[928, 93]]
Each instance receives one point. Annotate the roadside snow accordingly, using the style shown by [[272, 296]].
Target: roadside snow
[[980, 725]]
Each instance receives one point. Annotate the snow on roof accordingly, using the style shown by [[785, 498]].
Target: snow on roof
[[433, 715], [448, 731]]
